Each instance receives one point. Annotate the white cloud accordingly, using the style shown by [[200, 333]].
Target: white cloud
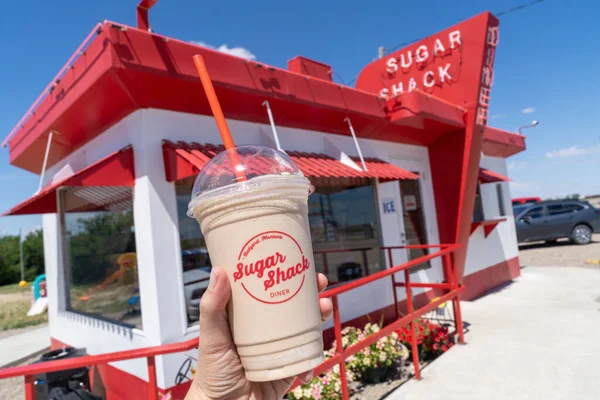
[[573, 151], [516, 165], [528, 110], [234, 51]]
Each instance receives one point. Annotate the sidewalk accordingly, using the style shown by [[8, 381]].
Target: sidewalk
[[17, 348], [534, 339]]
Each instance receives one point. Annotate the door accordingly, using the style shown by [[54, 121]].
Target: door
[[413, 218], [531, 225]]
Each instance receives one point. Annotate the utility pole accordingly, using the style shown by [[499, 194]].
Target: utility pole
[[21, 256]]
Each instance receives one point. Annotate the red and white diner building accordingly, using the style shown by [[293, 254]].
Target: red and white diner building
[[120, 135]]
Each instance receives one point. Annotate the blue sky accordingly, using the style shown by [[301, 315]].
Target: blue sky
[[545, 68]]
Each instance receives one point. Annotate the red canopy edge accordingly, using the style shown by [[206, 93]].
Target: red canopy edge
[[184, 159], [487, 176], [117, 169]]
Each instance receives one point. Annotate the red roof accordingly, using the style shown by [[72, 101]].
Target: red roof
[[184, 159], [114, 170], [124, 69], [501, 143], [487, 176]]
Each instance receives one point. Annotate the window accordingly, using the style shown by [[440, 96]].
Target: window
[[574, 207], [98, 238], [478, 206], [344, 227], [194, 254], [557, 209], [345, 237], [500, 196], [535, 212]]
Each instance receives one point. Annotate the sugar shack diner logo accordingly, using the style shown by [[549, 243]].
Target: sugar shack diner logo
[[439, 75], [271, 267], [422, 55]]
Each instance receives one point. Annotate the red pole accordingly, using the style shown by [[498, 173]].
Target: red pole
[[29, 388], [152, 389], [457, 312], [337, 328], [413, 329]]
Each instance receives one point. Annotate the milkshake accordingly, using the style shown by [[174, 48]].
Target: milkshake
[[258, 232]]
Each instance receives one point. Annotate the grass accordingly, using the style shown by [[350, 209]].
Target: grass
[[14, 288], [13, 315], [14, 304]]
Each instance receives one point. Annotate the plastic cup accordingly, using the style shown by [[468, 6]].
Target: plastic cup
[[258, 232]]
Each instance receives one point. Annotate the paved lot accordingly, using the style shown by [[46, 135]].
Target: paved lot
[[563, 253], [13, 349], [534, 339]]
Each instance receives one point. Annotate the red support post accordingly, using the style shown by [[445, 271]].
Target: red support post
[[456, 303], [152, 389], [446, 263], [29, 388], [413, 328], [337, 328]]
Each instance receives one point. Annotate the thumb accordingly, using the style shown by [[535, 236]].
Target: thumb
[[214, 325]]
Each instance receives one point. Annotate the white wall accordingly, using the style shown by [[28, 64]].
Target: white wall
[[501, 244], [157, 237]]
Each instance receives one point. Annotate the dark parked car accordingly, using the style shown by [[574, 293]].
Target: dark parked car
[[552, 220]]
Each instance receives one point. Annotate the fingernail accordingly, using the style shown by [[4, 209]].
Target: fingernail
[[214, 277]]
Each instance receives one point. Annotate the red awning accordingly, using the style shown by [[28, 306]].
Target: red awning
[[114, 170], [487, 176], [183, 160]]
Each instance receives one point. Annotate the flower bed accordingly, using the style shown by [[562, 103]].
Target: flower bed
[[381, 362]]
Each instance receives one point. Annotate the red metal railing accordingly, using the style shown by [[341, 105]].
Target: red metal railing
[[450, 284]]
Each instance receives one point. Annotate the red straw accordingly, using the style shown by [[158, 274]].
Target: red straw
[[219, 117]]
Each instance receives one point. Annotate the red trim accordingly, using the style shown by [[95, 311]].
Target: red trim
[[186, 159], [117, 169], [306, 66], [488, 226], [500, 143], [487, 176], [481, 282]]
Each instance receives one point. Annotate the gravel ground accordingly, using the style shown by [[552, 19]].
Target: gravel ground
[[14, 388], [562, 253]]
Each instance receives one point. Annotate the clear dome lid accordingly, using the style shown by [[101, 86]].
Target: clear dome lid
[[253, 162]]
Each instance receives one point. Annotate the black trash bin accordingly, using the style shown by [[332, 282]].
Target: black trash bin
[[62, 384]]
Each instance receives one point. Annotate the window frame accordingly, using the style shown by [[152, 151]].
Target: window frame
[[478, 195], [544, 211], [500, 198], [64, 267]]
